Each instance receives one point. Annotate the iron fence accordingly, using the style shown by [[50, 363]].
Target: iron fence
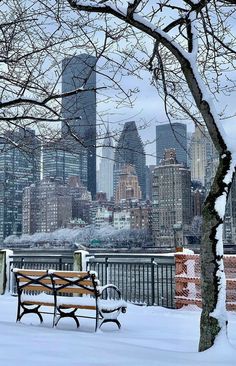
[[146, 280]]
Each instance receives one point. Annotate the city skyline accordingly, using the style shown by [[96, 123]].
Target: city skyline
[[229, 229], [76, 109]]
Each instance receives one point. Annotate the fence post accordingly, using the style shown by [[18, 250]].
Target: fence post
[[152, 281], [80, 261], [3, 277], [60, 264], [106, 270]]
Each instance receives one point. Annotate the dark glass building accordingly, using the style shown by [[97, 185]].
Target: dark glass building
[[130, 150], [19, 167], [60, 161], [79, 110], [172, 136]]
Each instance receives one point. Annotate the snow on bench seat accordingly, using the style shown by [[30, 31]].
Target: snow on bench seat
[[66, 290], [74, 301]]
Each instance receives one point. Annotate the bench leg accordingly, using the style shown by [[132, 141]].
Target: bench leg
[[62, 314], [110, 316], [116, 321], [97, 319], [28, 311]]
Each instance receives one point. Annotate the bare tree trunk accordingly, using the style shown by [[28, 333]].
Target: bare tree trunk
[[211, 258]]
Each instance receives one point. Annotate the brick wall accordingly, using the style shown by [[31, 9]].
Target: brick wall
[[187, 280]]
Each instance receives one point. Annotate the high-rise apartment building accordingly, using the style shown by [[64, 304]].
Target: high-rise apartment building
[[172, 136], [130, 150], [105, 174], [79, 110], [201, 151], [149, 179], [51, 204], [140, 218], [172, 211], [19, 167], [47, 206], [81, 199]]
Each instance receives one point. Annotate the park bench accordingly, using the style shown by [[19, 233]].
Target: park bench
[[66, 292]]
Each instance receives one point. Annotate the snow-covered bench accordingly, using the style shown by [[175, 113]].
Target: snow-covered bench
[[66, 292]]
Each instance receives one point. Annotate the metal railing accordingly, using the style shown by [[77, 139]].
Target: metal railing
[[142, 279], [145, 279]]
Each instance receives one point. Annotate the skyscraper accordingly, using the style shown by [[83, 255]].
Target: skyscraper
[[19, 167], [60, 161], [172, 136], [201, 151], [172, 211], [47, 206], [51, 204], [105, 174], [149, 179], [130, 150], [79, 110]]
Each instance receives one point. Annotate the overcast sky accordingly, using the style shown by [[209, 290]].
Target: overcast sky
[[148, 107]]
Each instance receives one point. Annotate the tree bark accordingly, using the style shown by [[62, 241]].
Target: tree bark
[[210, 257]]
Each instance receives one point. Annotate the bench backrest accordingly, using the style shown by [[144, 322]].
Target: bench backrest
[[29, 280], [58, 282], [74, 282]]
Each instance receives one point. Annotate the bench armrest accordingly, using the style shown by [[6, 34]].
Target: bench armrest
[[104, 288]]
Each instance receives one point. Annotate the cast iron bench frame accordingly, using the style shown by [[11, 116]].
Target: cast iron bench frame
[[69, 283]]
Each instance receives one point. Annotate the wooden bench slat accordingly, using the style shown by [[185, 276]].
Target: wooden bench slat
[[38, 288], [86, 307], [57, 281], [38, 273], [67, 290], [35, 302], [30, 272], [75, 290], [70, 274], [26, 280], [81, 283]]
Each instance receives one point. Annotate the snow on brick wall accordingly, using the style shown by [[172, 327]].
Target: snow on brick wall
[[187, 280]]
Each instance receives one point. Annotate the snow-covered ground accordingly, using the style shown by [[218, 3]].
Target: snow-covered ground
[[149, 336]]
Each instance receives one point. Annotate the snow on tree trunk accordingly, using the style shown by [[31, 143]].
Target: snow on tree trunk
[[213, 316]]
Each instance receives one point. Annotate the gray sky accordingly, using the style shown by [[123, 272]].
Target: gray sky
[[148, 107]]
